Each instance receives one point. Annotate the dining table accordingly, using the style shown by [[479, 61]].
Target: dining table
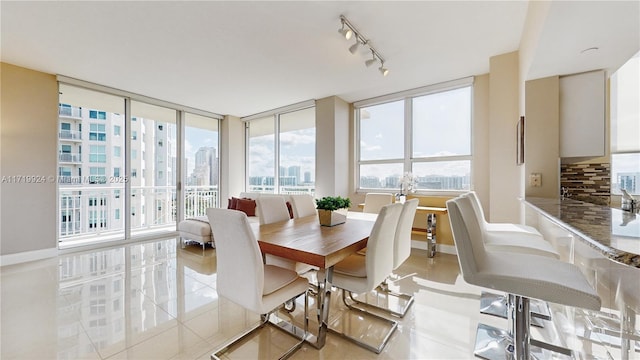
[[305, 240]]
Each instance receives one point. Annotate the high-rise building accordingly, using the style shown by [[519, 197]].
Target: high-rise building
[[91, 185]]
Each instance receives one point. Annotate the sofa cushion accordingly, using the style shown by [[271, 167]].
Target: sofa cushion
[[248, 206]]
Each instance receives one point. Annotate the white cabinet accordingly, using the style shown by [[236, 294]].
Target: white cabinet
[[582, 114]]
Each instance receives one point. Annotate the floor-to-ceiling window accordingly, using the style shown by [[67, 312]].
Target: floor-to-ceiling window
[[202, 157], [281, 152], [416, 141], [153, 188], [118, 165], [90, 183], [625, 128]]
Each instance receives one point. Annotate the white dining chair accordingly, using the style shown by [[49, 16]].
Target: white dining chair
[[373, 202], [303, 205], [361, 274], [401, 252], [274, 209], [522, 275], [245, 280]]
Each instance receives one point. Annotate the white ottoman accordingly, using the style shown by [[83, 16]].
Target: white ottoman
[[196, 229]]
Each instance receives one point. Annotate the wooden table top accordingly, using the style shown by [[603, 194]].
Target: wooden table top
[[304, 240]]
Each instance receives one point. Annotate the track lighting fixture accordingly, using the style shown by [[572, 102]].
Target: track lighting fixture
[[383, 70], [347, 33], [371, 61], [353, 48], [347, 30]]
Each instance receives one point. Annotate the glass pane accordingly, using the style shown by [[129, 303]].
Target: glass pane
[[153, 171], [442, 175], [442, 124], [298, 152], [261, 155], [382, 131], [202, 160], [88, 204], [625, 173], [380, 176]]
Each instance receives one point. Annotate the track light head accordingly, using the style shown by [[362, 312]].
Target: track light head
[[383, 70], [347, 33], [354, 48], [371, 61]]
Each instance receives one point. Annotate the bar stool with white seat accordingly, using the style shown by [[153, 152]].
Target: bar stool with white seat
[[245, 280], [274, 209], [525, 276], [513, 238], [361, 274]]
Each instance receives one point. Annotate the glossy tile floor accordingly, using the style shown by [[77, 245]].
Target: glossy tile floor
[[157, 301]]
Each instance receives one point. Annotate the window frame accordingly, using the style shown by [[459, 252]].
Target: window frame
[[275, 116], [408, 160]]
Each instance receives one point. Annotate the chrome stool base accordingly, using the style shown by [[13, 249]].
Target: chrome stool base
[[497, 305]]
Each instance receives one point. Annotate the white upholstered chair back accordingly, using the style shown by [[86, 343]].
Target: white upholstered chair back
[[467, 236], [477, 208], [303, 205], [373, 202], [402, 242], [272, 209], [379, 263], [240, 272]]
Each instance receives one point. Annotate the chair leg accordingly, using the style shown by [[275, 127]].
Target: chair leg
[[385, 340], [289, 328], [384, 288]]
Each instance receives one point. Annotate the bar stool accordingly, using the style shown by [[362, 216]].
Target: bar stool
[[513, 238], [525, 276]]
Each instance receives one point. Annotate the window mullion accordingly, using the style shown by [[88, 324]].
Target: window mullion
[[408, 134]]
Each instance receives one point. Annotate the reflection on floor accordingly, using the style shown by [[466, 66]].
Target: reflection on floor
[[158, 301]]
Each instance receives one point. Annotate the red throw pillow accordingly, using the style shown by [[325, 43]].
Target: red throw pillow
[[290, 208], [247, 206], [232, 203]]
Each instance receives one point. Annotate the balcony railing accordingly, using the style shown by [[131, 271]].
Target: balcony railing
[[70, 135], [70, 111], [69, 158], [95, 213], [198, 198], [269, 189]]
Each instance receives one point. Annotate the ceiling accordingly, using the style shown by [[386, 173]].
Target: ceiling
[[241, 58]]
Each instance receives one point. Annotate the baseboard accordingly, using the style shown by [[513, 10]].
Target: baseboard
[[27, 256], [446, 249]]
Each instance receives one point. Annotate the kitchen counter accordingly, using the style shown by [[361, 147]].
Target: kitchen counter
[[613, 232]]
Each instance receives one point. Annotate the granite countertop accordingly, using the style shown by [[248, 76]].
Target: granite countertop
[[614, 232]]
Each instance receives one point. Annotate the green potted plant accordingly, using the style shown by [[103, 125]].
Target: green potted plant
[[332, 210]]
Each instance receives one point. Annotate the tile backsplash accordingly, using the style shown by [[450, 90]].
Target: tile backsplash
[[587, 182]]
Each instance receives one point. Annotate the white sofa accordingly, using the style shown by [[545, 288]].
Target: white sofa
[[198, 229]]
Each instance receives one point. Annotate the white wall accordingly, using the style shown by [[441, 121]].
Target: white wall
[[480, 140], [28, 133], [542, 132], [505, 177], [232, 158], [332, 147]]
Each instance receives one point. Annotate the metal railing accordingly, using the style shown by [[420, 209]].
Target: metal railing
[[270, 189], [98, 211], [70, 135], [69, 158], [70, 111]]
